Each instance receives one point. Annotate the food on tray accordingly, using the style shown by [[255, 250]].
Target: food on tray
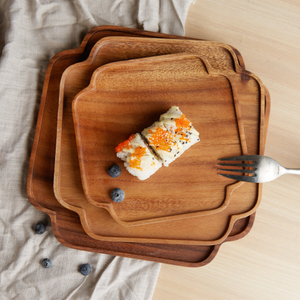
[[117, 195], [160, 144], [114, 171], [171, 136], [137, 157]]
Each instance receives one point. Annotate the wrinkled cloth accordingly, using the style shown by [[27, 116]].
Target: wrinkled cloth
[[31, 33]]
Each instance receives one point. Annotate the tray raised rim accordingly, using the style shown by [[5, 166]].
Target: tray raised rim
[[93, 87], [56, 215]]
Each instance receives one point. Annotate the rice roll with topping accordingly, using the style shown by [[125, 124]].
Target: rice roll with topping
[[161, 141], [171, 136], [137, 157]]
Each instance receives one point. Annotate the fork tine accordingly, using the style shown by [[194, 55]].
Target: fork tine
[[241, 157], [240, 178], [237, 165], [238, 170]]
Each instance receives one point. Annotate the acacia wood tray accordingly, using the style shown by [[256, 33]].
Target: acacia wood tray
[[118, 101], [40, 176], [67, 184], [124, 98]]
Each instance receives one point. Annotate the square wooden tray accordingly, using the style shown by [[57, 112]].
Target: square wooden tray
[[40, 177]]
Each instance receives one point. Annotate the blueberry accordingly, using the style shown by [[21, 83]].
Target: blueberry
[[117, 195], [46, 263], [85, 269], [40, 228], [114, 171]]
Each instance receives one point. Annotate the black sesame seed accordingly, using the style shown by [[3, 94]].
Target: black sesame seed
[[171, 118]]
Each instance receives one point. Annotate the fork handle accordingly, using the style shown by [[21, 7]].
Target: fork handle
[[293, 171]]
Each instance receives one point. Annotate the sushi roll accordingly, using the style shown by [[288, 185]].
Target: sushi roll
[[160, 144], [138, 158], [171, 136], [161, 141]]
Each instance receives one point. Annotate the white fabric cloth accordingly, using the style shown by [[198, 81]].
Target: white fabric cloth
[[31, 33]]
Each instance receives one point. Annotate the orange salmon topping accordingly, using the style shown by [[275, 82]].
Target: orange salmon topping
[[122, 145], [161, 139], [182, 122], [135, 161]]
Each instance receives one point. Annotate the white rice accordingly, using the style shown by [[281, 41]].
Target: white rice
[[141, 166], [160, 144], [174, 140]]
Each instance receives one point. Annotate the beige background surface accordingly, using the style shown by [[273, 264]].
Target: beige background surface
[[266, 263]]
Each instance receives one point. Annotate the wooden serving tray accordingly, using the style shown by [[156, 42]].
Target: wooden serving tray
[[67, 185], [211, 229], [40, 175], [126, 97]]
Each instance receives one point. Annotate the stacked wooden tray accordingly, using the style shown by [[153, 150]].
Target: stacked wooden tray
[[116, 83]]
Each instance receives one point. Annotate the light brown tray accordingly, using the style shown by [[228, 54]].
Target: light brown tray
[[124, 98], [211, 229], [65, 223], [77, 77]]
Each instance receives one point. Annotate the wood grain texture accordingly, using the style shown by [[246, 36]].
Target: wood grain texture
[[125, 98], [67, 174], [40, 176], [265, 264], [94, 111], [95, 107]]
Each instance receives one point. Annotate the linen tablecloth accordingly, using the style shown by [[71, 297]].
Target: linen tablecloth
[[31, 33]]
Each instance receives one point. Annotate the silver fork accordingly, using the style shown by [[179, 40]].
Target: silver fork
[[259, 168]]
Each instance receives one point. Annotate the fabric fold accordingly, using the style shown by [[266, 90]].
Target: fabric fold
[[31, 33]]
